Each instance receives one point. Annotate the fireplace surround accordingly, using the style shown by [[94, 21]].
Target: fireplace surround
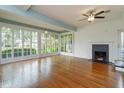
[[100, 53]]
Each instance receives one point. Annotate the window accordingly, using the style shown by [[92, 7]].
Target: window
[[121, 48], [52, 42], [26, 42], [69, 43], [43, 43], [34, 47], [66, 42], [63, 43], [49, 43], [17, 43], [56, 43], [6, 42]]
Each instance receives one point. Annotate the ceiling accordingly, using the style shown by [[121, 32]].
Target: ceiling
[[31, 21], [68, 14], [71, 13]]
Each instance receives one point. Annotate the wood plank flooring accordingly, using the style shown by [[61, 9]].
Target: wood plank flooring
[[60, 72]]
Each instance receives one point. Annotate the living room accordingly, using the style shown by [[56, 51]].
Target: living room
[[62, 46]]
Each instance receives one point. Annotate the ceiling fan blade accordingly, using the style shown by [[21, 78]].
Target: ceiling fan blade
[[106, 11], [82, 19], [99, 13], [85, 15], [99, 16]]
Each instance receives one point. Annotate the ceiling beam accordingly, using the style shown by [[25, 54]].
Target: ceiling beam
[[32, 14], [29, 8], [3, 20], [24, 7]]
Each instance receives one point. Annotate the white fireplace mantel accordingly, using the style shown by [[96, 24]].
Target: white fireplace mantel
[[111, 49]]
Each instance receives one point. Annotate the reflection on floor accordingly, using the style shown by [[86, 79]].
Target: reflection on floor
[[60, 71]]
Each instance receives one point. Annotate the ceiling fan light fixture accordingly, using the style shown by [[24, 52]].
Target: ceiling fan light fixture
[[93, 14], [91, 18]]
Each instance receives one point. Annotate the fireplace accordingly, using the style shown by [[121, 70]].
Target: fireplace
[[100, 53], [100, 56]]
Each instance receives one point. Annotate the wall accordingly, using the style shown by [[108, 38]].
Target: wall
[[101, 33]]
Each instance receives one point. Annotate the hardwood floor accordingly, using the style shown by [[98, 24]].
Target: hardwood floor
[[60, 72]]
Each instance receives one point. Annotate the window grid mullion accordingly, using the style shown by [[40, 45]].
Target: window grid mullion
[[12, 53], [31, 44], [22, 32], [39, 42]]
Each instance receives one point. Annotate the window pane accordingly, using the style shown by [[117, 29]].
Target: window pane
[[27, 43], [34, 49], [48, 43], [43, 43], [6, 38], [56, 43], [62, 44], [52, 42], [66, 43], [122, 45], [17, 43]]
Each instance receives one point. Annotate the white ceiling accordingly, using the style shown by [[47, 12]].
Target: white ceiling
[[28, 20], [71, 13]]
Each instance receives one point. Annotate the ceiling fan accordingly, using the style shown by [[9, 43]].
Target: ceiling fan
[[92, 14]]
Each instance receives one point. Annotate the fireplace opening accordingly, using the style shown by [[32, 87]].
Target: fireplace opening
[[100, 53], [100, 56]]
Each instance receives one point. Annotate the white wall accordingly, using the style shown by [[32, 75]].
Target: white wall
[[100, 33]]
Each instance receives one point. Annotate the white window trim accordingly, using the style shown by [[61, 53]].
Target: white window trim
[[119, 43], [13, 59], [66, 53]]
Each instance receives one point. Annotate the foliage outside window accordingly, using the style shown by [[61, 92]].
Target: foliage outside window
[[6, 42], [17, 43], [66, 43], [20, 42], [49, 43]]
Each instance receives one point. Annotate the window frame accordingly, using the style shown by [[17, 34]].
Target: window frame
[[65, 41], [49, 41], [17, 27], [119, 44], [11, 27]]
